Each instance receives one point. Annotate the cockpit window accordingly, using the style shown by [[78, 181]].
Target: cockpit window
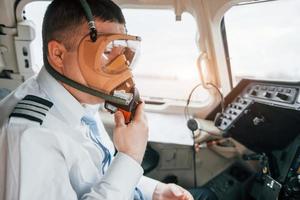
[[263, 40], [167, 64]]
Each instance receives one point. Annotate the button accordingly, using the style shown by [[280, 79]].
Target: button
[[272, 89], [298, 99], [218, 121], [254, 93], [282, 96], [228, 117], [268, 94], [25, 51]]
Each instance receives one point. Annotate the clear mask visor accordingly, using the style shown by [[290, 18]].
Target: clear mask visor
[[119, 55]]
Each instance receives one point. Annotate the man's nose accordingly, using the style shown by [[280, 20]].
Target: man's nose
[[115, 52]]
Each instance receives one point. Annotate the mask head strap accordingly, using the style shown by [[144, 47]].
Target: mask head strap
[[91, 22]]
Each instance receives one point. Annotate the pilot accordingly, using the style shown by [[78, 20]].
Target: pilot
[[53, 144]]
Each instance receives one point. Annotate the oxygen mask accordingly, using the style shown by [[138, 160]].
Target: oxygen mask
[[106, 66]]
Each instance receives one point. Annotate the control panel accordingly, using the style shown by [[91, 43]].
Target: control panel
[[232, 113], [274, 94], [264, 116]]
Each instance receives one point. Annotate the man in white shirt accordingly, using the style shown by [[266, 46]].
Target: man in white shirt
[[53, 145]]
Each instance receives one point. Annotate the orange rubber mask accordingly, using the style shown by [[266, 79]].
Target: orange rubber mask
[[106, 66]]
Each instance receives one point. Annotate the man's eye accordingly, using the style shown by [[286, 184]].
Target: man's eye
[[107, 52]]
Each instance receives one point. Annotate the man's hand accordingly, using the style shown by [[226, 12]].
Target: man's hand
[[131, 139], [171, 192], [207, 132]]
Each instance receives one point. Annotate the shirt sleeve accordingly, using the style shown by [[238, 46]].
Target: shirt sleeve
[[147, 186], [45, 175], [119, 181]]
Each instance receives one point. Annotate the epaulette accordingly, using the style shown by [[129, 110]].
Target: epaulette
[[32, 108]]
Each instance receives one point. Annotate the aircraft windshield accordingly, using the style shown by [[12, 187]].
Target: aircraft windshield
[[263, 40]]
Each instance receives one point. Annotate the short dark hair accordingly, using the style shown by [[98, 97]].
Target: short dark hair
[[63, 17]]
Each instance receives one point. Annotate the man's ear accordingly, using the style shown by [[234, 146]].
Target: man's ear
[[56, 53]]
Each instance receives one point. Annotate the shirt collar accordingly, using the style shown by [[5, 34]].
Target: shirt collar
[[90, 109], [66, 104]]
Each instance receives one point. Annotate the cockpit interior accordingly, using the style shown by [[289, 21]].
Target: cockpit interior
[[221, 84]]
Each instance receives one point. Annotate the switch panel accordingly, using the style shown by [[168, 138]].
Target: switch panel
[[273, 92], [233, 111]]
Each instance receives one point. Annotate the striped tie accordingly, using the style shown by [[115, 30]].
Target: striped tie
[[94, 135]]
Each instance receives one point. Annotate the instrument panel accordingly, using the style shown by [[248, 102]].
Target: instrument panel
[[281, 95], [264, 116]]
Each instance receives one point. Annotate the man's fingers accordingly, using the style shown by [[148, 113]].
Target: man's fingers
[[119, 119], [185, 195], [197, 147], [196, 134], [188, 196], [176, 190], [139, 113]]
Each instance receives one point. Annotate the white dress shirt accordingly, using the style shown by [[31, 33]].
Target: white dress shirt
[[57, 160]]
